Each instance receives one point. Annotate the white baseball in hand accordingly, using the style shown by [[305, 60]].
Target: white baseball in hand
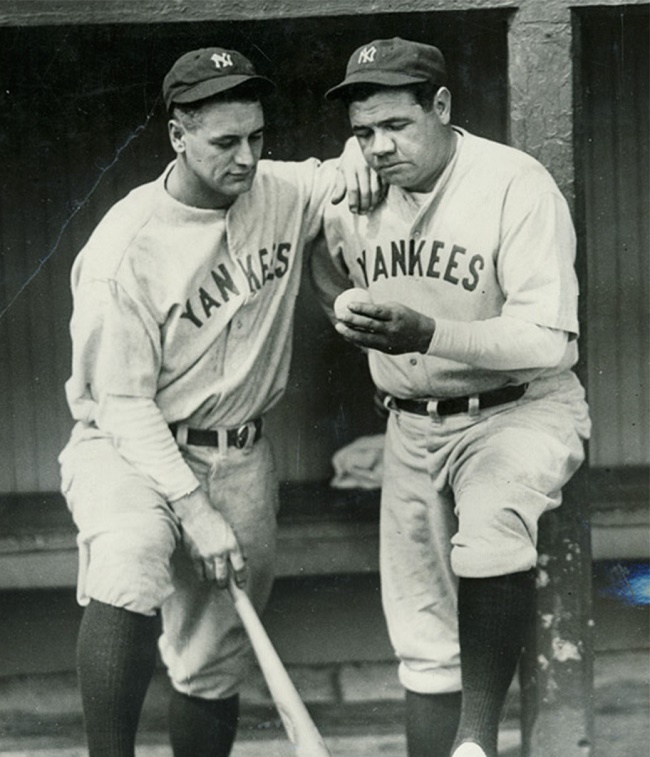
[[345, 298]]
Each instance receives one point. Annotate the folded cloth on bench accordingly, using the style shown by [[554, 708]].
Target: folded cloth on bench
[[359, 465]]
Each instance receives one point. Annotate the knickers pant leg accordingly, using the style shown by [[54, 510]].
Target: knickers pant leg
[[204, 645], [419, 590]]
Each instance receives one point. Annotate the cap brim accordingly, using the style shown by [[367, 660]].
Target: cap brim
[[219, 84], [385, 78]]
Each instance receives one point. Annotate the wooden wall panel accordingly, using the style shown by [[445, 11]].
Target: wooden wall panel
[[616, 122], [83, 124]]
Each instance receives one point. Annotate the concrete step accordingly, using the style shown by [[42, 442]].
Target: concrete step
[[358, 708]]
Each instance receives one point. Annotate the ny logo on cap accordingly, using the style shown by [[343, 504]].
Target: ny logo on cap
[[367, 55], [222, 60]]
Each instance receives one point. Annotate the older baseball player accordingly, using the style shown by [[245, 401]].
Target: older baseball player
[[471, 335], [183, 310]]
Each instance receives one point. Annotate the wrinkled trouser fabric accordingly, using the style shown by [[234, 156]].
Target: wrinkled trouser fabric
[[462, 496], [131, 553]]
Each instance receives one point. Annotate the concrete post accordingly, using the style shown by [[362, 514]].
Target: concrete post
[[557, 666]]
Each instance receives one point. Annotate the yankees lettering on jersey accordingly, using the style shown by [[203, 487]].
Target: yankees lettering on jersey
[[199, 302], [258, 270], [493, 238], [435, 260]]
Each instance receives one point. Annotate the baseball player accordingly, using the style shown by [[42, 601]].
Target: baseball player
[[181, 329], [471, 336]]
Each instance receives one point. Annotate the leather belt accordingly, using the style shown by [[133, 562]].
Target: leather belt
[[203, 437], [455, 405]]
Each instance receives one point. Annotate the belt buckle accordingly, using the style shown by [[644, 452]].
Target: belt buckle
[[242, 435], [245, 436]]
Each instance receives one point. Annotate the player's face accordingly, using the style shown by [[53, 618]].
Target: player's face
[[406, 145], [218, 156]]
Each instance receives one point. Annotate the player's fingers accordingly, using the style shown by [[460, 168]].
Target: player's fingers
[[378, 189], [203, 570], [359, 322], [372, 190], [220, 571], [370, 311], [364, 184], [347, 185], [356, 336], [372, 337], [340, 189], [353, 197], [239, 567], [348, 176]]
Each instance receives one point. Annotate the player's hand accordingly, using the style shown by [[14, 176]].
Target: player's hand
[[390, 327], [211, 539], [355, 178]]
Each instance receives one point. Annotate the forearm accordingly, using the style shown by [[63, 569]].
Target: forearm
[[500, 343], [144, 439]]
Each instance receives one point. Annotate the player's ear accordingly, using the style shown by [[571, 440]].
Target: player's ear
[[176, 135], [442, 105]]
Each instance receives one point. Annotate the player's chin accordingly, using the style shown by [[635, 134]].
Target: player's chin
[[399, 174], [240, 183]]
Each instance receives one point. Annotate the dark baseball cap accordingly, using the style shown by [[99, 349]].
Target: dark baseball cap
[[208, 71], [392, 63]]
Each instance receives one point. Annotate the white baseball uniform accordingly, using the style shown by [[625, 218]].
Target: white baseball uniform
[[183, 316], [489, 251]]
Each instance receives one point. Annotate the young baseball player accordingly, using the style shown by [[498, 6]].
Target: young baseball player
[[471, 335], [181, 329]]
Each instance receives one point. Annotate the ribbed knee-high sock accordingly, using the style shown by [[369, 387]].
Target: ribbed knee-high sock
[[431, 723], [116, 657], [493, 615], [202, 727]]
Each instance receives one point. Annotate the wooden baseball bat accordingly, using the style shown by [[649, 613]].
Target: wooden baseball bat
[[300, 728]]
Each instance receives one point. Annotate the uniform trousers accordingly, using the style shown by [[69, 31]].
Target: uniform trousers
[[132, 553], [461, 497]]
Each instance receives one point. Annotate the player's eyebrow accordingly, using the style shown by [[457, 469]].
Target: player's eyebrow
[[236, 135], [392, 121]]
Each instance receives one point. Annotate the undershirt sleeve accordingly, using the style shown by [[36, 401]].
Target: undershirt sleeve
[[142, 436], [500, 344]]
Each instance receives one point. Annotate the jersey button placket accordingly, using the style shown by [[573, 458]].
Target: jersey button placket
[[417, 371]]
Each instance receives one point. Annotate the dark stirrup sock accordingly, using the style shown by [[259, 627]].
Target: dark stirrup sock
[[116, 657], [202, 727], [493, 616], [431, 723]]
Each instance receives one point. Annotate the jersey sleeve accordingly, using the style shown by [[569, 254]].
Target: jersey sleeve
[[116, 360], [535, 261], [116, 343], [314, 181], [319, 191]]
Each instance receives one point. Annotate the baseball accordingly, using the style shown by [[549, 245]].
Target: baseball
[[345, 298]]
